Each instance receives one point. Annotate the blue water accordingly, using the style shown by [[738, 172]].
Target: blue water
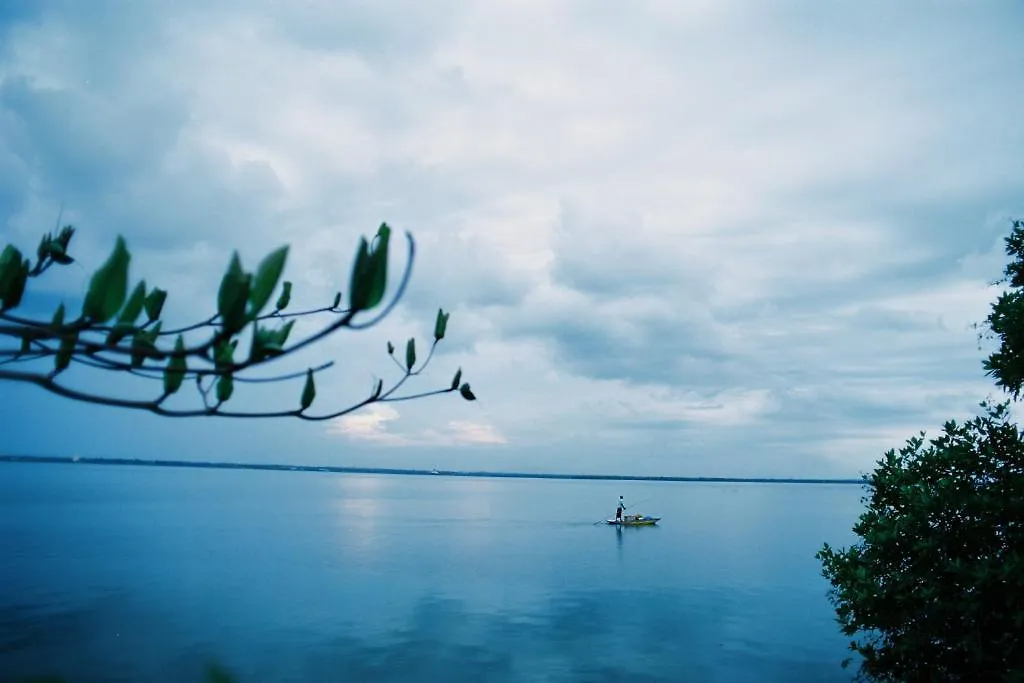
[[113, 573]]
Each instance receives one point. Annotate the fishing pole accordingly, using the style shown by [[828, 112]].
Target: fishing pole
[[624, 507]]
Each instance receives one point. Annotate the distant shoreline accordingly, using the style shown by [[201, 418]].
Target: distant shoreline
[[68, 460]]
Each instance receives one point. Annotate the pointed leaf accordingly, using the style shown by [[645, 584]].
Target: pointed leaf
[[337, 300], [144, 346], [359, 280], [10, 266], [258, 347], [232, 295], [108, 287], [43, 250], [378, 389], [308, 391], [440, 324], [455, 381], [65, 351], [280, 337], [58, 318], [286, 296], [378, 275], [267, 275], [133, 308], [225, 387], [174, 373], [467, 393], [64, 238], [391, 349], [17, 286], [155, 303], [410, 354], [13, 276]]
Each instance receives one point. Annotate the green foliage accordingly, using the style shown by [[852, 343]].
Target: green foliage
[[410, 353], [308, 391], [267, 275], [440, 324], [14, 272], [109, 336], [1006, 320], [370, 272], [935, 586], [108, 286]]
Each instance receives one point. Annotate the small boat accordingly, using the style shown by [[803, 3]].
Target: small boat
[[634, 520]]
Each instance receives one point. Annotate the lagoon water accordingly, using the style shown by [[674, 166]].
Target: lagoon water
[[124, 573]]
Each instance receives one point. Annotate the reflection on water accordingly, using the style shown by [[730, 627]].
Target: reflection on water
[[616, 635], [138, 574]]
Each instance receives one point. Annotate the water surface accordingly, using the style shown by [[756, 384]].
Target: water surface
[[121, 573]]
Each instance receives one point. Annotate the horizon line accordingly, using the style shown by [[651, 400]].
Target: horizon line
[[86, 460]]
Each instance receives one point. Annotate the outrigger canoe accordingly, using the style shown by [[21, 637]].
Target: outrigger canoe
[[634, 520]]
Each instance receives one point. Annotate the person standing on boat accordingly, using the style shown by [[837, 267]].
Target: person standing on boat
[[619, 509]]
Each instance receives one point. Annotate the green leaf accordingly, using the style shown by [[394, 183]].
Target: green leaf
[[359, 280], [65, 351], [64, 238], [108, 286], [10, 266], [119, 332], [455, 381], [440, 324], [58, 318], [232, 295], [370, 271], [133, 308], [44, 247], [337, 300], [280, 337], [144, 345], [258, 347], [379, 273], [267, 342], [410, 354], [308, 391], [286, 296], [467, 393], [13, 276], [225, 386], [267, 274], [155, 303], [174, 373], [18, 286], [224, 354]]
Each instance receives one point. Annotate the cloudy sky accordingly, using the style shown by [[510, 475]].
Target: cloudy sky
[[677, 238]]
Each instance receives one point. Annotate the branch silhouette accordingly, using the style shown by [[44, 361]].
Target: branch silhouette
[[108, 334]]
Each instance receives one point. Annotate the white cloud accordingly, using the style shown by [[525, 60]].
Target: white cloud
[[371, 425], [655, 222]]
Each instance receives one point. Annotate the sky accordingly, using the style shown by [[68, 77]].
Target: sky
[[704, 238]]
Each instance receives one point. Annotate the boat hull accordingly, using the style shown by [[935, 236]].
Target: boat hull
[[641, 521]]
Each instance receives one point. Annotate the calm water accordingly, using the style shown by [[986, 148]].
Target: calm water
[[145, 574]]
